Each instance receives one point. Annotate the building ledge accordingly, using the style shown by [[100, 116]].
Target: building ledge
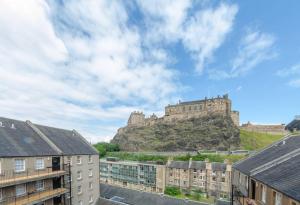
[[38, 197], [13, 180]]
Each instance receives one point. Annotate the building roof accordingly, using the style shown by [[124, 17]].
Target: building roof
[[271, 153], [18, 139], [218, 166], [284, 177], [134, 197], [179, 164], [295, 124], [68, 141], [198, 165], [222, 202]]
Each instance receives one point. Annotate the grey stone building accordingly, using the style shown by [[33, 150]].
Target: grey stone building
[[46, 165]]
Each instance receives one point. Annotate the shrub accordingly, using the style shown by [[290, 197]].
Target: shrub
[[172, 191]]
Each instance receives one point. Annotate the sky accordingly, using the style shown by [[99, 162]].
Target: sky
[[86, 65]]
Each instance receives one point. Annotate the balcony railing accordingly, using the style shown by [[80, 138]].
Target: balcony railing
[[33, 197], [10, 177]]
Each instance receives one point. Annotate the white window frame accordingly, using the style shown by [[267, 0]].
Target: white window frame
[[39, 164], [79, 175], [278, 199], [264, 194], [78, 160], [23, 166], [0, 169], [23, 193], [79, 189], [90, 159], [80, 202], [39, 188], [90, 172], [91, 199], [90, 185]]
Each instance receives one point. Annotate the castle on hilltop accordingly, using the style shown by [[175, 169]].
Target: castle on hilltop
[[186, 110]]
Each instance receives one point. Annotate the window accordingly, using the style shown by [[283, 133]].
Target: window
[[90, 172], [90, 185], [19, 165], [90, 159], [69, 160], [223, 179], [214, 178], [39, 185], [0, 171], [263, 193], [80, 202], [79, 175], [39, 164], [20, 190], [79, 190], [292, 203], [0, 194], [91, 199], [78, 159], [278, 199]]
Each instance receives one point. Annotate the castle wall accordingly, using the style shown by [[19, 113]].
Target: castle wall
[[271, 129], [186, 110]]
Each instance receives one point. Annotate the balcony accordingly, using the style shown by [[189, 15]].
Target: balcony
[[34, 198], [10, 177]]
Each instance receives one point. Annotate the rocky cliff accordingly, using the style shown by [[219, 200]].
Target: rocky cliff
[[210, 132]]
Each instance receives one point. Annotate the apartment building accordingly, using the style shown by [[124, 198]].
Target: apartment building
[[133, 175], [211, 177], [270, 177], [37, 165]]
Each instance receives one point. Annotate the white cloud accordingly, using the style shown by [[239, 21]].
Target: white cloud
[[201, 33], [255, 48], [78, 65], [206, 31], [293, 73]]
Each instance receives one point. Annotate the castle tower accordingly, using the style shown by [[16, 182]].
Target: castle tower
[[136, 119]]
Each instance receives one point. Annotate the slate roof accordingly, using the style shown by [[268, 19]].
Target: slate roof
[[218, 166], [198, 165], [21, 141], [179, 164], [103, 201], [295, 124], [271, 153], [284, 177], [134, 197], [67, 140]]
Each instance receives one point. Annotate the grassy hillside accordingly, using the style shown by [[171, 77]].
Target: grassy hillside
[[257, 141]]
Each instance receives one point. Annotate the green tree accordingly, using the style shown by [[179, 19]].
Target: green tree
[[172, 191]]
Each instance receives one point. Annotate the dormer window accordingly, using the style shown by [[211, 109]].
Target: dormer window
[[1, 124]]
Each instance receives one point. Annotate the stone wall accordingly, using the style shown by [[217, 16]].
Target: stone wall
[[270, 129], [186, 110]]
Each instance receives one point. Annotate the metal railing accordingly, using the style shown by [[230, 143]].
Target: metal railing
[[33, 196], [11, 177]]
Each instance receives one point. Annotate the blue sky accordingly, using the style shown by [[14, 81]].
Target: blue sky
[[86, 65]]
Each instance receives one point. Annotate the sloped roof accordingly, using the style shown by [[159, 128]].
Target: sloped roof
[[198, 165], [18, 138], [68, 141], [271, 153], [284, 177], [218, 166], [21, 140], [129, 196], [179, 164], [295, 124]]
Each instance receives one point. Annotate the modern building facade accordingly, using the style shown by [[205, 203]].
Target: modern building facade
[[270, 177], [133, 175], [36, 165], [211, 177]]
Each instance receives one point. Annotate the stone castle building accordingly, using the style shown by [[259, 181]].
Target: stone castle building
[[185, 110]]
